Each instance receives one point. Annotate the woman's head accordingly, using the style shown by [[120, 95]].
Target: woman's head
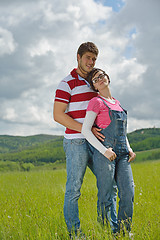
[[95, 76]]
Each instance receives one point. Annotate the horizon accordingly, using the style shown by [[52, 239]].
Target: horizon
[[141, 129]]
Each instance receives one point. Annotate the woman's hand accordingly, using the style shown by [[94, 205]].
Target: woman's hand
[[110, 154], [132, 156]]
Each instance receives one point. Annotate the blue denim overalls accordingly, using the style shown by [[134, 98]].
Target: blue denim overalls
[[119, 170]]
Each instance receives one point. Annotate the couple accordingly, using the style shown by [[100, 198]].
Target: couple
[[100, 142]]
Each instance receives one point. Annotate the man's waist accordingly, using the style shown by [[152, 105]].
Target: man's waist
[[73, 135]]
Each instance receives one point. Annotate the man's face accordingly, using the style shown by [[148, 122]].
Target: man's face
[[86, 62]]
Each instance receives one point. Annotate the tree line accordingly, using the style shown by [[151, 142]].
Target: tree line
[[24, 153]]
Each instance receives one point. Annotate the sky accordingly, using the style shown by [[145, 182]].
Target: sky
[[38, 45]]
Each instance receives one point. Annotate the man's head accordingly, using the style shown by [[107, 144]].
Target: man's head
[[86, 56], [87, 47]]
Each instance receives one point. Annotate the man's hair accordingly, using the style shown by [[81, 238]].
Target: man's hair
[[87, 47], [92, 74]]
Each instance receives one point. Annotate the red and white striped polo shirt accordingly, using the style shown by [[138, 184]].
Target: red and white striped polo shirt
[[76, 92]]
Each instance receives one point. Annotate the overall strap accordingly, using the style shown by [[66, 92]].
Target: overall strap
[[123, 109], [105, 103], [110, 110]]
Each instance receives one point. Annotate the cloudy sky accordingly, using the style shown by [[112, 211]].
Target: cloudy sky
[[38, 45]]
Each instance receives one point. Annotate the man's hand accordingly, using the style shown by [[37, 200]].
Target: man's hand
[[132, 156], [110, 154], [96, 132]]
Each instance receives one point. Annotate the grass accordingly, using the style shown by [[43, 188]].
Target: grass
[[31, 205]]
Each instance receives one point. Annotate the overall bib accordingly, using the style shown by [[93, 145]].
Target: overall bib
[[118, 170]]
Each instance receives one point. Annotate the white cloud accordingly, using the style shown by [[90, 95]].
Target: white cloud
[[10, 114], [7, 42], [39, 41], [42, 48]]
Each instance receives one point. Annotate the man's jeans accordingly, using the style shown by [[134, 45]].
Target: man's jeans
[[78, 156]]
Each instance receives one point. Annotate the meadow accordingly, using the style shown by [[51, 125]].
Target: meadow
[[31, 204]]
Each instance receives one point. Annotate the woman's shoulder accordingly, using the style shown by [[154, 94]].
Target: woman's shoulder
[[117, 101], [95, 101], [94, 104]]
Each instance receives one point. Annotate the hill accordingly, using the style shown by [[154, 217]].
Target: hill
[[145, 139], [18, 143], [24, 153], [140, 140]]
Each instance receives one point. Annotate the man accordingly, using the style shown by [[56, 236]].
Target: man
[[71, 101]]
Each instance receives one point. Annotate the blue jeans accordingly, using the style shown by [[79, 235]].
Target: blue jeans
[[106, 173], [125, 183], [78, 157]]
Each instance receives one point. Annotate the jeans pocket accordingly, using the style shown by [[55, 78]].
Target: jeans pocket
[[78, 141]]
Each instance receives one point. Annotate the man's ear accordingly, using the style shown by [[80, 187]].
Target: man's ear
[[78, 57]]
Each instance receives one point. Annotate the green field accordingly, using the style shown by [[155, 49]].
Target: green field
[[31, 204]]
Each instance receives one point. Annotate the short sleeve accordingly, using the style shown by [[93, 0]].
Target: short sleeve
[[94, 105], [63, 92]]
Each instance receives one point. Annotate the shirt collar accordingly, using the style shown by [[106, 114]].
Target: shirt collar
[[75, 75]]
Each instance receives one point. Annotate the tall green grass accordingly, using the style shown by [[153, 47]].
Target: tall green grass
[[31, 205]]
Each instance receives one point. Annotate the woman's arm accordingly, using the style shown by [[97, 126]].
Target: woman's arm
[[87, 132], [128, 145], [131, 153]]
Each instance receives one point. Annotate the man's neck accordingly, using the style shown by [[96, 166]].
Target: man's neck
[[81, 74]]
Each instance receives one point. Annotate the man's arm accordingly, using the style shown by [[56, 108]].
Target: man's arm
[[61, 117]]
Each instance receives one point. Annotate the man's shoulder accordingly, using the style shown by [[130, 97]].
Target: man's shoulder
[[71, 76], [68, 78]]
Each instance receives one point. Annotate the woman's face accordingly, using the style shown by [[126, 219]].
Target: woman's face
[[100, 80]]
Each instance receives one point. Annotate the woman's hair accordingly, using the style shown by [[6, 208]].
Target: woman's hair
[[87, 47], [92, 74]]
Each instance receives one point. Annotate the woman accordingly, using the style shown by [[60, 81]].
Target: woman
[[113, 156]]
